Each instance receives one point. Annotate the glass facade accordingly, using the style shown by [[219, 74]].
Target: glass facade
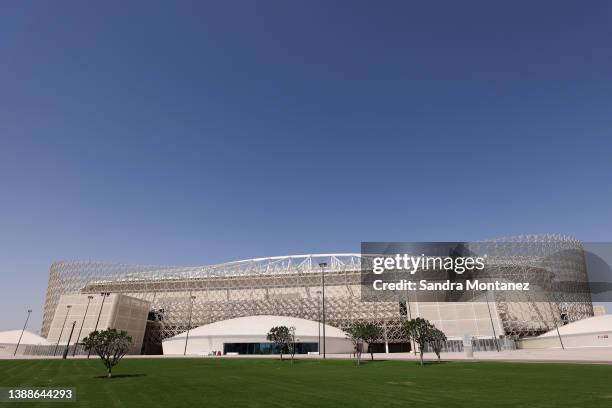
[[266, 348]]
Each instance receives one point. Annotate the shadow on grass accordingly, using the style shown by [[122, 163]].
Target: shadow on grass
[[297, 361], [366, 362], [417, 362], [122, 376], [332, 360], [434, 363]]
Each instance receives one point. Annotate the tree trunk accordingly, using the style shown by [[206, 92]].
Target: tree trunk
[[372, 354], [110, 372], [421, 355], [281, 356]]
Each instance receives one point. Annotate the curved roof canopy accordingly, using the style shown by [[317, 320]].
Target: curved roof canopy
[[12, 337], [597, 324], [260, 326]]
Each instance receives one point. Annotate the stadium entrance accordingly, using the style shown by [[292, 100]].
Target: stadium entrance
[[266, 348]]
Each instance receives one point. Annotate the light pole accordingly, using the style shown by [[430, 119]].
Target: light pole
[[318, 292], [62, 331], [191, 298], [491, 318], [323, 265], [413, 346], [556, 325], [81, 328], [104, 295], [22, 330], [68, 343], [559, 335]]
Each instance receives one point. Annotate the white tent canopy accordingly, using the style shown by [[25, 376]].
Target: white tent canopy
[[597, 324], [9, 339], [592, 332], [261, 325], [12, 337], [254, 329]]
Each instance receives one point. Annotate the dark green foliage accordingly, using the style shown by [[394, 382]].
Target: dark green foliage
[[110, 345], [362, 332]]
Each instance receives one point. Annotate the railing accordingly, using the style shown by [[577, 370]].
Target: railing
[[456, 346], [50, 350]]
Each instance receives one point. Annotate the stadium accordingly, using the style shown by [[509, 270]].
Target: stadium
[[168, 301]]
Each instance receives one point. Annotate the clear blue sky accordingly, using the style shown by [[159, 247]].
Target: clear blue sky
[[195, 133]]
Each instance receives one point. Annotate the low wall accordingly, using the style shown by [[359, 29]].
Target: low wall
[[600, 339]]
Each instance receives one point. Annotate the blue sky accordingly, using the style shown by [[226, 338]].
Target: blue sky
[[195, 133]]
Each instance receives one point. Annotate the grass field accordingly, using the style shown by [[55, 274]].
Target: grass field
[[314, 383]]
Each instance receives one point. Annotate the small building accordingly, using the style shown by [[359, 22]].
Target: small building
[[247, 335], [114, 311]]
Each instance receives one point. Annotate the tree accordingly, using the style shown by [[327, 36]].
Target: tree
[[371, 333], [354, 334], [420, 331], [438, 341], [360, 333], [110, 345], [283, 338], [291, 344]]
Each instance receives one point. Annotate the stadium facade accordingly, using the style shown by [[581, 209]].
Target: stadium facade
[[187, 297]]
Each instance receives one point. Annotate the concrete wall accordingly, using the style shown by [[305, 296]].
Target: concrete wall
[[457, 319], [119, 312]]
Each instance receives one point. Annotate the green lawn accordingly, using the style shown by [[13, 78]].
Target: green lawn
[[310, 383]]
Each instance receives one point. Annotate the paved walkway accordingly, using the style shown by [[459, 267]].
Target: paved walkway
[[582, 355], [592, 355]]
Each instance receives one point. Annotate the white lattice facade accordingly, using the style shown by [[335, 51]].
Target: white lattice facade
[[291, 286]]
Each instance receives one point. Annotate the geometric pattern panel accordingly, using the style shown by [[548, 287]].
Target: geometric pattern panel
[[183, 297]]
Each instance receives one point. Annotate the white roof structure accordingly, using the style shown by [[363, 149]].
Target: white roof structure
[[230, 334], [12, 337], [597, 324], [260, 326]]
